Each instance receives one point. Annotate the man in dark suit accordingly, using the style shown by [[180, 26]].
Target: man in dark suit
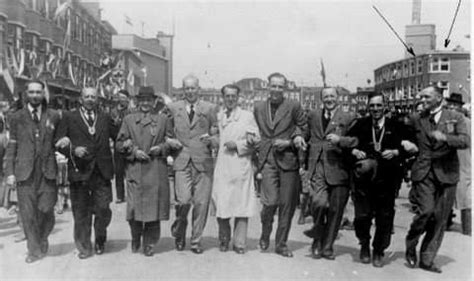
[[435, 173], [194, 121], [282, 125], [118, 112], [31, 164], [84, 136], [329, 171], [382, 145]]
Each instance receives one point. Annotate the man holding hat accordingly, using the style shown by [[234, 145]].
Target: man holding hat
[[379, 153], [141, 141]]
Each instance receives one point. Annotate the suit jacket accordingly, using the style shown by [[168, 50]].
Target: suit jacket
[[395, 132], [98, 145], [189, 133], [289, 122], [20, 154], [440, 156], [334, 157]]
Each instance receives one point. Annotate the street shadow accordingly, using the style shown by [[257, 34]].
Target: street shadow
[[9, 232], [8, 225], [56, 250], [114, 246], [209, 242], [165, 244]]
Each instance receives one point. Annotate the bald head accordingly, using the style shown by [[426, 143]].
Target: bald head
[[89, 98]]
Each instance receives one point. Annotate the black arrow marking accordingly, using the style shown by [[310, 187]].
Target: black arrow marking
[[447, 41], [409, 49]]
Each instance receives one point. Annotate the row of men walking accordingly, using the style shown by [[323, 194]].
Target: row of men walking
[[278, 142]]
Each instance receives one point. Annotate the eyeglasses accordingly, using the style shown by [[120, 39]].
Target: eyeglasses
[[35, 92]]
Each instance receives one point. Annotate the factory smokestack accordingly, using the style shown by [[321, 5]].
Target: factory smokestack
[[416, 12]]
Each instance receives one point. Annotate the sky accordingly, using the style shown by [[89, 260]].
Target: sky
[[222, 42]]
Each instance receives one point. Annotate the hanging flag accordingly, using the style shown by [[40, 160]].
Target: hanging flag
[[50, 61], [323, 73], [9, 81], [61, 9], [104, 75], [144, 70], [13, 59], [128, 20], [67, 37], [71, 74], [131, 78], [46, 91], [22, 62]]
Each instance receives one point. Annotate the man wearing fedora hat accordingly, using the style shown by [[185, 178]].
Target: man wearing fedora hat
[[463, 189], [84, 137], [141, 141]]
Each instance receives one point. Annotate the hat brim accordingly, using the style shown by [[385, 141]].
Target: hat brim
[[454, 101]]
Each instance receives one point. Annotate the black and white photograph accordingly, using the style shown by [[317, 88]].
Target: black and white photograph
[[235, 140]]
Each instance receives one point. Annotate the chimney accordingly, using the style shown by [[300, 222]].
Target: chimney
[[416, 12]]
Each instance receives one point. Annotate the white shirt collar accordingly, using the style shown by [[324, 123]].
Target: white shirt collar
[[437, 113], [188, 106], [332, 112], [381, 122], [84, 111], [31, 108]]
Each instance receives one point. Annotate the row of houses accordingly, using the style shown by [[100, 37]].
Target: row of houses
[[67, 44]]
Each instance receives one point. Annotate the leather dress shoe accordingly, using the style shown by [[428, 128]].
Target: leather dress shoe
[[377, 260], [316, 254], [316, 249], [148, 251], [32, 258], [432, 267], [410, 257], [180, 244], [224, 247], [364, 254], [99, 248], [239, 250], [83, 256], [197, 250], [311, 233], [264, 243], [329, 256], [285, 252], [135, 246]]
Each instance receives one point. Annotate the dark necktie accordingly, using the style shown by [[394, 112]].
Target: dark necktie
[[227, 113], [89, 118], [378, 130], [35, 115], [191, 113], [326, 119]]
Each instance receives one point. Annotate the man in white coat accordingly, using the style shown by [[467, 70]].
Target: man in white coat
[[233, 191]]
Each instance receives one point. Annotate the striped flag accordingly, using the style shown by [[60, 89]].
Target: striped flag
[[61, 9], [71, 74], [67, 37], [128, 20]]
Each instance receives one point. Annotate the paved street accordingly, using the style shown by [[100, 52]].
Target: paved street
[[119, 263]]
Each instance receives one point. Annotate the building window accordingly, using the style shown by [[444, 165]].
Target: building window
[[419, 66], [412, 67], [405, 69], [439, 64], [444, 85]]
